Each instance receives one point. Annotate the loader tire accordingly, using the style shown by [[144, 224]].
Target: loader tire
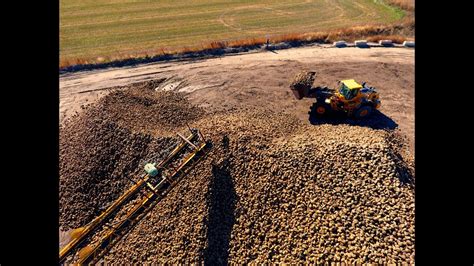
[[363, 112], [319, 109]]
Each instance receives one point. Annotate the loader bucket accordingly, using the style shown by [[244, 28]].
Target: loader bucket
[[299, 92], [302, 83]]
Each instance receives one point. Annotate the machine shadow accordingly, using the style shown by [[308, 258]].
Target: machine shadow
[[221, 205], [377, 120]]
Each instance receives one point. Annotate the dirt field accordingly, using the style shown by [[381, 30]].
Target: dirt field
[[260, 80]]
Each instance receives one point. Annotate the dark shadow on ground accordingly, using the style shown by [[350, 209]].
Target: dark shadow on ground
[[377, 120], [405, 175], [221, 203], [405, 171]]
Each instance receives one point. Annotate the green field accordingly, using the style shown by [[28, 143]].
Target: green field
[[102, 28]]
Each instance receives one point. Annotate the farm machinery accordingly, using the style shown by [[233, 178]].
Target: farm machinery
[[350, 98], [158, 180]]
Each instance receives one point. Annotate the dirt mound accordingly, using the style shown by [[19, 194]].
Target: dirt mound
[[275, 190], [141, 109], [325, 196], [108, 143], [271, 189]]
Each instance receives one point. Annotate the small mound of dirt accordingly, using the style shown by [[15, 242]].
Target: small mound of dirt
[[108, 143], [141, 109]]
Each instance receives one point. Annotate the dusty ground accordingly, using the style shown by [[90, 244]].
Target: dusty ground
[[258, 80]]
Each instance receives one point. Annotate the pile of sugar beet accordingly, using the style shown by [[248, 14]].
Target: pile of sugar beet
[[271, 188]]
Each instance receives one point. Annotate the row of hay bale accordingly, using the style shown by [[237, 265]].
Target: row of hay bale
[[365, 44]]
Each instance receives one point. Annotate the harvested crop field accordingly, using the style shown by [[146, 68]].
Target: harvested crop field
[[93, 29], [272, 188]]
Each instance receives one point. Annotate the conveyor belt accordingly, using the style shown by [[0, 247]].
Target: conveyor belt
[[163, 186]]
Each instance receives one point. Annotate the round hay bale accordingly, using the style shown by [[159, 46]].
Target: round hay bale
[[409, 44], [340, 44]]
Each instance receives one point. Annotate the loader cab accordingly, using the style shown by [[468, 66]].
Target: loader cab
[[349, 88]]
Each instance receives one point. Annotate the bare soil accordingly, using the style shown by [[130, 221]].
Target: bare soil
[[259, 80]]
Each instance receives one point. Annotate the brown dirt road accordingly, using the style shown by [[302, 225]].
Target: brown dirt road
[[261, 80]]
